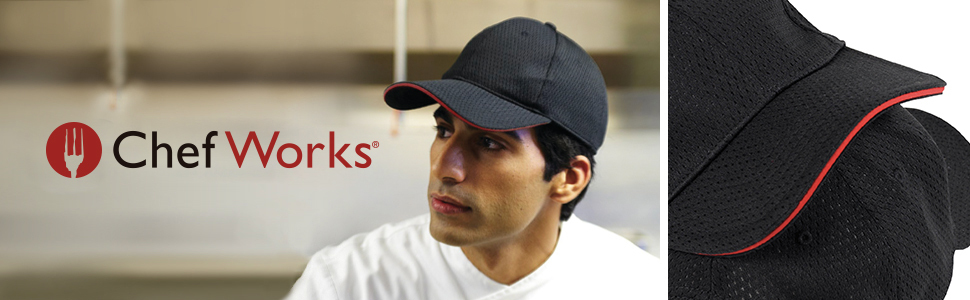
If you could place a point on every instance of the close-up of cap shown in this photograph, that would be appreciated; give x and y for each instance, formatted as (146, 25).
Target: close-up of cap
(794, 173)
(517, 74)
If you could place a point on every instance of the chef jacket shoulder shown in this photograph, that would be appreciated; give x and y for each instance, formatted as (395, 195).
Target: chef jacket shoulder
(389, 262)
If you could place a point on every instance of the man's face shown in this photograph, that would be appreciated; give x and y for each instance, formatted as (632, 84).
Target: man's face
(484, 186)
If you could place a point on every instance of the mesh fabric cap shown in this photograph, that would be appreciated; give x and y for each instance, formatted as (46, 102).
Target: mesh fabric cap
(724, 67)
(879, 226)
(517, 74)
(956, 155)
(759, 180)
(793, 172)
(750, 139)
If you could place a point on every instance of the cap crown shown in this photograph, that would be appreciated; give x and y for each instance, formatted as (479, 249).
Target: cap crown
(534, 66)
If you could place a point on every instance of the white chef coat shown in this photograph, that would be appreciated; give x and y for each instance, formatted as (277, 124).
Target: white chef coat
(402, 261)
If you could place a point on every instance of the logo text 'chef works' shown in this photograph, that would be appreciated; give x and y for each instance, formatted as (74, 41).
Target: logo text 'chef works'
(74, 150)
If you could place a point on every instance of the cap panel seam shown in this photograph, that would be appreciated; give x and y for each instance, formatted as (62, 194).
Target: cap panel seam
(545, 79)
(831, 161)
(716, 151)
(542, 88)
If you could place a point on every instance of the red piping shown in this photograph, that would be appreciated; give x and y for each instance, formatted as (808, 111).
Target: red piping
(818, 180)
(419, 88)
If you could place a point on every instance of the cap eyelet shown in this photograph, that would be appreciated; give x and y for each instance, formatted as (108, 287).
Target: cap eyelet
(899, 174)
(805, 237)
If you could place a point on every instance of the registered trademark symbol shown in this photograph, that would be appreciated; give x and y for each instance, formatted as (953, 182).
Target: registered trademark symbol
(375, 144)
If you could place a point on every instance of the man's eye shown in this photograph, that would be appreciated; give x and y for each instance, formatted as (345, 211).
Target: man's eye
(490, 144)
(443, 132)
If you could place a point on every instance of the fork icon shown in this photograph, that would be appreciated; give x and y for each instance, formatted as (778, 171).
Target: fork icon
(74, 155)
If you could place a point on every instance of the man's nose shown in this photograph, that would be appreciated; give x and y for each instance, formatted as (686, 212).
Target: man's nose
(449, 165)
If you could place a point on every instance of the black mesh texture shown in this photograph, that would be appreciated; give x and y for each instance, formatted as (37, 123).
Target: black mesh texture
(525, 63)
(468, 101)
(877, 228)
(727, 59)
(760, 177)
(956, 154)
(575, 93)
(510, 59)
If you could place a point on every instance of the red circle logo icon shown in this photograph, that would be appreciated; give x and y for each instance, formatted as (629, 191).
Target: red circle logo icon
(74, 150)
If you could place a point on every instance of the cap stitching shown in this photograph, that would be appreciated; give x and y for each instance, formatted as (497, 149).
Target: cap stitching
(722, 144)
(831, 162)
(545, 79)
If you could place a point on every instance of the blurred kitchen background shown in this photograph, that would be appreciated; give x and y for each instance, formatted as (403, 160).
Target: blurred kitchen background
(304, 68)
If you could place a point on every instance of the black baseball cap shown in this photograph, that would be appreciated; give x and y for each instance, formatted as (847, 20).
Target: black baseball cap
(793, 171)
(517, 74)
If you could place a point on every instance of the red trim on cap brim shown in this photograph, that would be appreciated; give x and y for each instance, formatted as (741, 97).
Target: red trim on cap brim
(426, 92)
(825, 170)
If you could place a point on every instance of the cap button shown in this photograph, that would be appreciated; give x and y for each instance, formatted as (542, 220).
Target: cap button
(551, 25)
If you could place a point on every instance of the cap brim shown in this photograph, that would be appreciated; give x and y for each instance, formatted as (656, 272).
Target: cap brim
(470, 103)
(759, 182)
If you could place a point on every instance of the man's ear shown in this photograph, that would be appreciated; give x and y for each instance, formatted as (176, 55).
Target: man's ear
(568, 183)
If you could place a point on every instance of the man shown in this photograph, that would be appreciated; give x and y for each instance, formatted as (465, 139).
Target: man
(522, 112)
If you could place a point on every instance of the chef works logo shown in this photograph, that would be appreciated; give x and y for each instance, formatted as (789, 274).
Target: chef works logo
(74, 150)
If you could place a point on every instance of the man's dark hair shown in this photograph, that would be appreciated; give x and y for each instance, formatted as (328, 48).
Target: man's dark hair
(559, 148)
